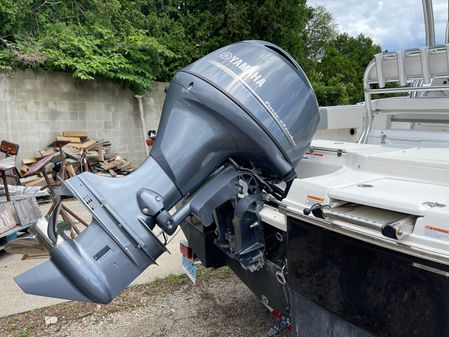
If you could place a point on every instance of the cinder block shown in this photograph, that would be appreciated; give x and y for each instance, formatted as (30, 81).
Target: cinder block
(94, 125)
(10, 105)
(67, 115)
(103, 115)
(27, 94)
(148, 100)
(81, 106)
(129, 107)
(32, 105)
(73, 106)
(13, 136)
(12, 115)
(136, 123)
(94, 107)
(46, 137)
(15, 83)
(9, 93)
(65, 106)
(25, 75)
(59, 82)
(2, 110)
(32, 135)
(112, 125)
(118, 115)
(118, 125)
(47, 115)
(65, 96)
(60, 125)
(84, 115)
(22, 126)
(122, 149)
(86, 95)
(28, 115)
(121, 97)
(124, 127)
(31, 83)
(121, 107)
(104, 134)
(103, 97)
(45, 126)
(77, 125)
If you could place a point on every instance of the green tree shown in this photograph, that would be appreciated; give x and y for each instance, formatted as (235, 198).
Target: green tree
(344, 62)
(335, 61)
(319, 32)
(341, 69)
(135, 42)
(212, 24)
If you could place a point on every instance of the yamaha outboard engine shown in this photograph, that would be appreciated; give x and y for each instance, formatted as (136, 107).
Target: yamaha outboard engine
(247, 106)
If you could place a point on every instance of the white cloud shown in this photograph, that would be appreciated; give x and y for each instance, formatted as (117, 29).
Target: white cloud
(395, 25)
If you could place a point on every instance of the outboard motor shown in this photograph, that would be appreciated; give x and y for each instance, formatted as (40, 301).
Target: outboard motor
(245, 106)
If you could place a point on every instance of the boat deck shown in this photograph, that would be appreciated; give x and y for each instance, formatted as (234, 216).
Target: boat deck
(413, 181)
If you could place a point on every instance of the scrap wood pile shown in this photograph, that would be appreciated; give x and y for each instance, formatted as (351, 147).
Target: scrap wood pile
(80, 154)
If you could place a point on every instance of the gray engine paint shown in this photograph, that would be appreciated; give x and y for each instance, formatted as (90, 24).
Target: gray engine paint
(213, 111)
(276, 105)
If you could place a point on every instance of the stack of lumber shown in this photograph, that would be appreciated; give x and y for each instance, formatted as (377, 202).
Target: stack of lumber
(80, 154)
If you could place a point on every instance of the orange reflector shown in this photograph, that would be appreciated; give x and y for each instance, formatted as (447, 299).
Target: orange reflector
(315, 198)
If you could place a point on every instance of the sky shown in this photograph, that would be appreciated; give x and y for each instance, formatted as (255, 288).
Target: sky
(394, 24)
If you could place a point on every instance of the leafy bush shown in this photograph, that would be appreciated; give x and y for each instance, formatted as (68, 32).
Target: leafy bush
(88, 39)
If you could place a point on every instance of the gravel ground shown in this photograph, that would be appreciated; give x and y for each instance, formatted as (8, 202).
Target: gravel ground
(218, 305)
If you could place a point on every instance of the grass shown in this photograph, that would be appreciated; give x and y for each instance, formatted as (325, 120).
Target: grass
(32, 323)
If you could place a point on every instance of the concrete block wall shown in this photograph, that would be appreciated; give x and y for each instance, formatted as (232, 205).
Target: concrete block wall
(37, 106)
